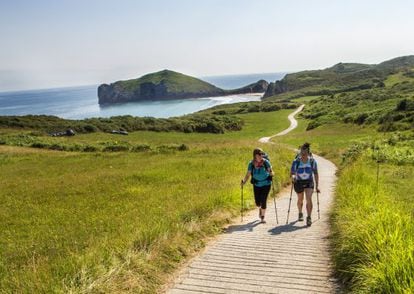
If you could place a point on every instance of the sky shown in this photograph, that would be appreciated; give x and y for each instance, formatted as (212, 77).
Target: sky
(46, 44)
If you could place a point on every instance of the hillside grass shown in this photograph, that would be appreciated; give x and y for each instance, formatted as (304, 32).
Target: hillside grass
(175, 82)
(87, 222)
(373, 228)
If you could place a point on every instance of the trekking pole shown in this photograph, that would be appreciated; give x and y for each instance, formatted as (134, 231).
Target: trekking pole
(274, 200)
(241, 203)
(317, 199)
(290, 201)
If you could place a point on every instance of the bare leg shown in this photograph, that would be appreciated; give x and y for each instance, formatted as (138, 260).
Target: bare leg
(300, 202)
(309, 204)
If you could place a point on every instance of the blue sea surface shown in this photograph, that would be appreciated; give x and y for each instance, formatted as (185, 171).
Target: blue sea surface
(82, 102)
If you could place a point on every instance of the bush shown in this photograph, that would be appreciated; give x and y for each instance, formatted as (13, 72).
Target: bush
(57, 147)
(141, 148)
(115, 148)
(39, 145)
(172, 147)
(90, 148)
(266, 107)
(360, 119)
(312, 125)
(183, 147)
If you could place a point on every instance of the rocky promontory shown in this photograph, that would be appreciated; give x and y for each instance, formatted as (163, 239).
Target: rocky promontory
(167, 85)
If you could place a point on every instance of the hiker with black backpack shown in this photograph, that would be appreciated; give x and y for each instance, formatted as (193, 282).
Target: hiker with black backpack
(304, 172)
(261, 173)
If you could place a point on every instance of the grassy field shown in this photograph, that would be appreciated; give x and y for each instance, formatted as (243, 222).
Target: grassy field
(121, 221)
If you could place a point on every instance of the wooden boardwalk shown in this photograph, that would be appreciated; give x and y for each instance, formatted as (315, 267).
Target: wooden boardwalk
(268, 258)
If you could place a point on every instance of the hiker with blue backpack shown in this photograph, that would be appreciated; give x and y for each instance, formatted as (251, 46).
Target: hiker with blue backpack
(304, 173)
(261, 173)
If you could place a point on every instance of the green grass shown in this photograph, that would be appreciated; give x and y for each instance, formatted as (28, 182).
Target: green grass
(373, 229)
(330, 140)
(174, 81)
(305, 99)
(396, 78)
(122, 221)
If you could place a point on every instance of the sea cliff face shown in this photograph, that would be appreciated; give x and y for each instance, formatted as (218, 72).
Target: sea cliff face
(167, 85)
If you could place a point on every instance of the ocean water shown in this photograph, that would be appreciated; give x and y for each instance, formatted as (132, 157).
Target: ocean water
(82, 102)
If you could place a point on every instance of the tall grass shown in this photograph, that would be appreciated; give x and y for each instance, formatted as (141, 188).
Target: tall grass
(373, 229)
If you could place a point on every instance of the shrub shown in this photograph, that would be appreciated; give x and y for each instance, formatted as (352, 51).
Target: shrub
(57, 147)
(360, 119)
(141, 148)
(183, 147)
(115, 148)
(39, 145)
(90, 148)
(312, 125)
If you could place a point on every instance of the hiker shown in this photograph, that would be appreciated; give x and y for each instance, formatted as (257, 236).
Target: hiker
(261, 172)
(303, 172)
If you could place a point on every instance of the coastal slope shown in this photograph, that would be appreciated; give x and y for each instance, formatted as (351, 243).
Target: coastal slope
(342, 77)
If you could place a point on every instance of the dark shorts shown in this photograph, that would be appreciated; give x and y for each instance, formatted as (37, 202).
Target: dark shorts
(260, 195)
(300, 185)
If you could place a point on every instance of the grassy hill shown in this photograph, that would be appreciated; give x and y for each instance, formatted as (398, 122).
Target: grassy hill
(373, 95)
(167, 84)
(164, 84)
(342, 77)
(173, 81)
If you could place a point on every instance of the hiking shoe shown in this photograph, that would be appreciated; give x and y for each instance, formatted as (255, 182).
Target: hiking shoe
(262, 220)
(308, 221)
(300, 217)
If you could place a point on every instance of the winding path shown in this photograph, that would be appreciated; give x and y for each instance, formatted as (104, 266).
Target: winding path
(293, 125)
(268, 258)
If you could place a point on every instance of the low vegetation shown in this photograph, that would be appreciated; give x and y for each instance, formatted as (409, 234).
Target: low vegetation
(217, 120)
(186, 124)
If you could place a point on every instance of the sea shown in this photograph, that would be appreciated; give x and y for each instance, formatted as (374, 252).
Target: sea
(82, 102)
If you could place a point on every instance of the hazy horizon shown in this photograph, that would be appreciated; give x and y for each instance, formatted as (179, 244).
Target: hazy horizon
(48, 44)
